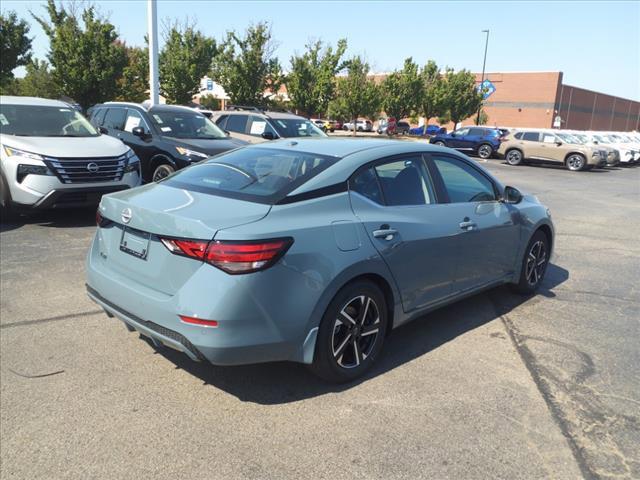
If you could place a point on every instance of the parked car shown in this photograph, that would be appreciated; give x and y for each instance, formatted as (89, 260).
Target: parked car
(626, 142)
(481, 141)
(431, 130)
(166, 138)
(266, 261)
(52, 157)
(392, 127)
(612, 155)
(324, 125)
(627, 153)
(361, 125)
(544, 146)
(256, 126)
(336, 124)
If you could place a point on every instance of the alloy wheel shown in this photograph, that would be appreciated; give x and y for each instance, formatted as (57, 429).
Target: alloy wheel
(440, 144)
(514, 157)
(485, 151)
(355, 331)
(536, 262)
(161, 172)
(575, 162)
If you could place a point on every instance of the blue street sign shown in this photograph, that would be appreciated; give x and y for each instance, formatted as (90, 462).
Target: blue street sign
(209, 84)
(487, 87)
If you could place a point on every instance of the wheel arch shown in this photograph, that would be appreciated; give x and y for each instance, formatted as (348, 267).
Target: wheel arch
(574, 152)
(159, 159)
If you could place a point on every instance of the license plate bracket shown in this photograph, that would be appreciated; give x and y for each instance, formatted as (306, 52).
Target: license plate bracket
(135, 242)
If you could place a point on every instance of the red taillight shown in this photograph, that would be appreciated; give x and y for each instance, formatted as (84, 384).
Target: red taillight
(100, 220)
(198, 321)
(232, 256)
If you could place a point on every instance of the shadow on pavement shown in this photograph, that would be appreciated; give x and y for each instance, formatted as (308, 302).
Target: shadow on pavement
(284, 382)
(68, 218)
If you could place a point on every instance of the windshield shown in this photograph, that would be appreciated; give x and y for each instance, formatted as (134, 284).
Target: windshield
(569, 138)
(44, 121)
(582, 138)
(602, 139)
(262, 175)
(296, 127)
(185, 124)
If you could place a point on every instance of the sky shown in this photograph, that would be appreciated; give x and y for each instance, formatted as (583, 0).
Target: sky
(596, 44)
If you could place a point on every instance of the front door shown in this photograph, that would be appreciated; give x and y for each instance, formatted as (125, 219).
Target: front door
(396, 203)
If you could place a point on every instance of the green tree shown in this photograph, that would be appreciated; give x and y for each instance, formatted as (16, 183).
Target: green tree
(481, 119)
(86, 58)
(401, 91)
(184, 60)
(210, 102)
(461, 97)
(356, 94)
(311, 82)
(432, 98)
(246, 66)
(133, 85)
(38, 81)
(15, 46)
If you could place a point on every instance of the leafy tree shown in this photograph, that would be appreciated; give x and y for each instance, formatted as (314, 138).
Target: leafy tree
(311, 82)
(14, 45)
(38, 81)
(401, 91)
(482, 119)
(246, 66)
(86, 58)
(210, 102)
(133, 85)
(432, 98)
(184, 60)
(461, 96)
(356, 94)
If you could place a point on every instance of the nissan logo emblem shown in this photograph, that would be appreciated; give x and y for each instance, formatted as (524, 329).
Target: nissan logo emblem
(126, 215)
(93, 167)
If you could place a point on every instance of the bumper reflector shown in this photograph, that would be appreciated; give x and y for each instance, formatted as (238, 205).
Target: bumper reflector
(198, 321)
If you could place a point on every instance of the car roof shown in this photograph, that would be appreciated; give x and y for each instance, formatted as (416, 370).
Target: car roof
(41, 102)
(333, 147)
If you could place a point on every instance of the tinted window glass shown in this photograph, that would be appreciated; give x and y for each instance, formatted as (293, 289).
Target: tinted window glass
(263, 175)
(237, 123)
(463, 182)
(404, 182)
(221, 121)
(518, 135)
(97, 118)
(462, 132)
(296, 127)
(548, 137)
(366, 184)
(531, 136)
(476, 131)
(258, 125)
(185, 124)
(134, 119)
(43, 121)
(114, 119)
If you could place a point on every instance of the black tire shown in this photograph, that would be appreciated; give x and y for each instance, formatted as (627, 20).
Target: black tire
(576, 162)
(534, 264)
(162, 171)
(359, 129)
(345, 128)
(7, 211)
(514, 157)
(339, 359)
(485, 151)
(440, 143)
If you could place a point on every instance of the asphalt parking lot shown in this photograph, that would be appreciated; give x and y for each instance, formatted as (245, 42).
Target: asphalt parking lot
(497, 386)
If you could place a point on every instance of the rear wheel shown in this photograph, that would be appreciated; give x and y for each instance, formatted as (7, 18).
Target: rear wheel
(576, 162)
(534, 264)
(162, 171)
(351, 333)
(439, 143)
(485, 151)
(514, 157)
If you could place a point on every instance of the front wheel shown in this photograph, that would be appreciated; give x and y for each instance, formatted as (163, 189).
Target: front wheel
(162, 171)
(351, 333)
(485, 151)
(534, 264)
(576, 162)
(439, 143)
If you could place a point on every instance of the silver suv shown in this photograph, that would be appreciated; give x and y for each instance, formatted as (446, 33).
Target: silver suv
(52, 157)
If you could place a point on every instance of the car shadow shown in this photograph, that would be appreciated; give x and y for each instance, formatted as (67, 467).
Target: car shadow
(67, 218)
(284, 382)
(557, 166)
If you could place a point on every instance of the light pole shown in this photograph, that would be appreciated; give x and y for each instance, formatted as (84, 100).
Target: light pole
(484, 62)
(152, 23)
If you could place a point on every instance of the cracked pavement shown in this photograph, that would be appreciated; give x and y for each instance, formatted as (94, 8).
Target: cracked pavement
(496, 386)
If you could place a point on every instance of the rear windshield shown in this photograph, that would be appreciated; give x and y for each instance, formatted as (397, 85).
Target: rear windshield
(44, 121)
(262, 175)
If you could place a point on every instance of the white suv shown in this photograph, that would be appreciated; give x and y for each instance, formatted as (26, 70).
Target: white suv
(52, 157)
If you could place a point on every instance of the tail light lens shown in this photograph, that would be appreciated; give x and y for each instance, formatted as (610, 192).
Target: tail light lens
(100, 220)
(233, 257)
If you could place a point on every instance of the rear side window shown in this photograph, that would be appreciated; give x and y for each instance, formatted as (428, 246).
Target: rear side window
(114, 119)
(518, 135)
(531, 136)
(237, 123)
(262, 175)
(463, 182)
(221, 121)
(97, 118)
(404, 182)
(366, 184)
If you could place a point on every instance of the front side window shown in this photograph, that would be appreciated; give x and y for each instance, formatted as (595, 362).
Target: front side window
(549, 138)
(185, 124)
(263, 175)
(405, 182)
(258, 125)
(134, 119)
(531, 136)
(463, 132)
(462, 182)
(44, 121)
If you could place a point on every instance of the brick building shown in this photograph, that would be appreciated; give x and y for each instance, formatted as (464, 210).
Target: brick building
(535, 99)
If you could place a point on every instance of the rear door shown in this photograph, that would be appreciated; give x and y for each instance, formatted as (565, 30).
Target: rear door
(395, 200)
(487, 235)
(532, 147)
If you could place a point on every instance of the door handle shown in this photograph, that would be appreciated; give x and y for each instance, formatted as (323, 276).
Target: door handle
(468, 225)
(386, 233)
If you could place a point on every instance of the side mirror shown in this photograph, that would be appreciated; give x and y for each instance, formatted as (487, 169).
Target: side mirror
(227, 133)
(103, 130)
(139, 132)
(268, 135)
(558, 142)
(512, 195)
(453, 134)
